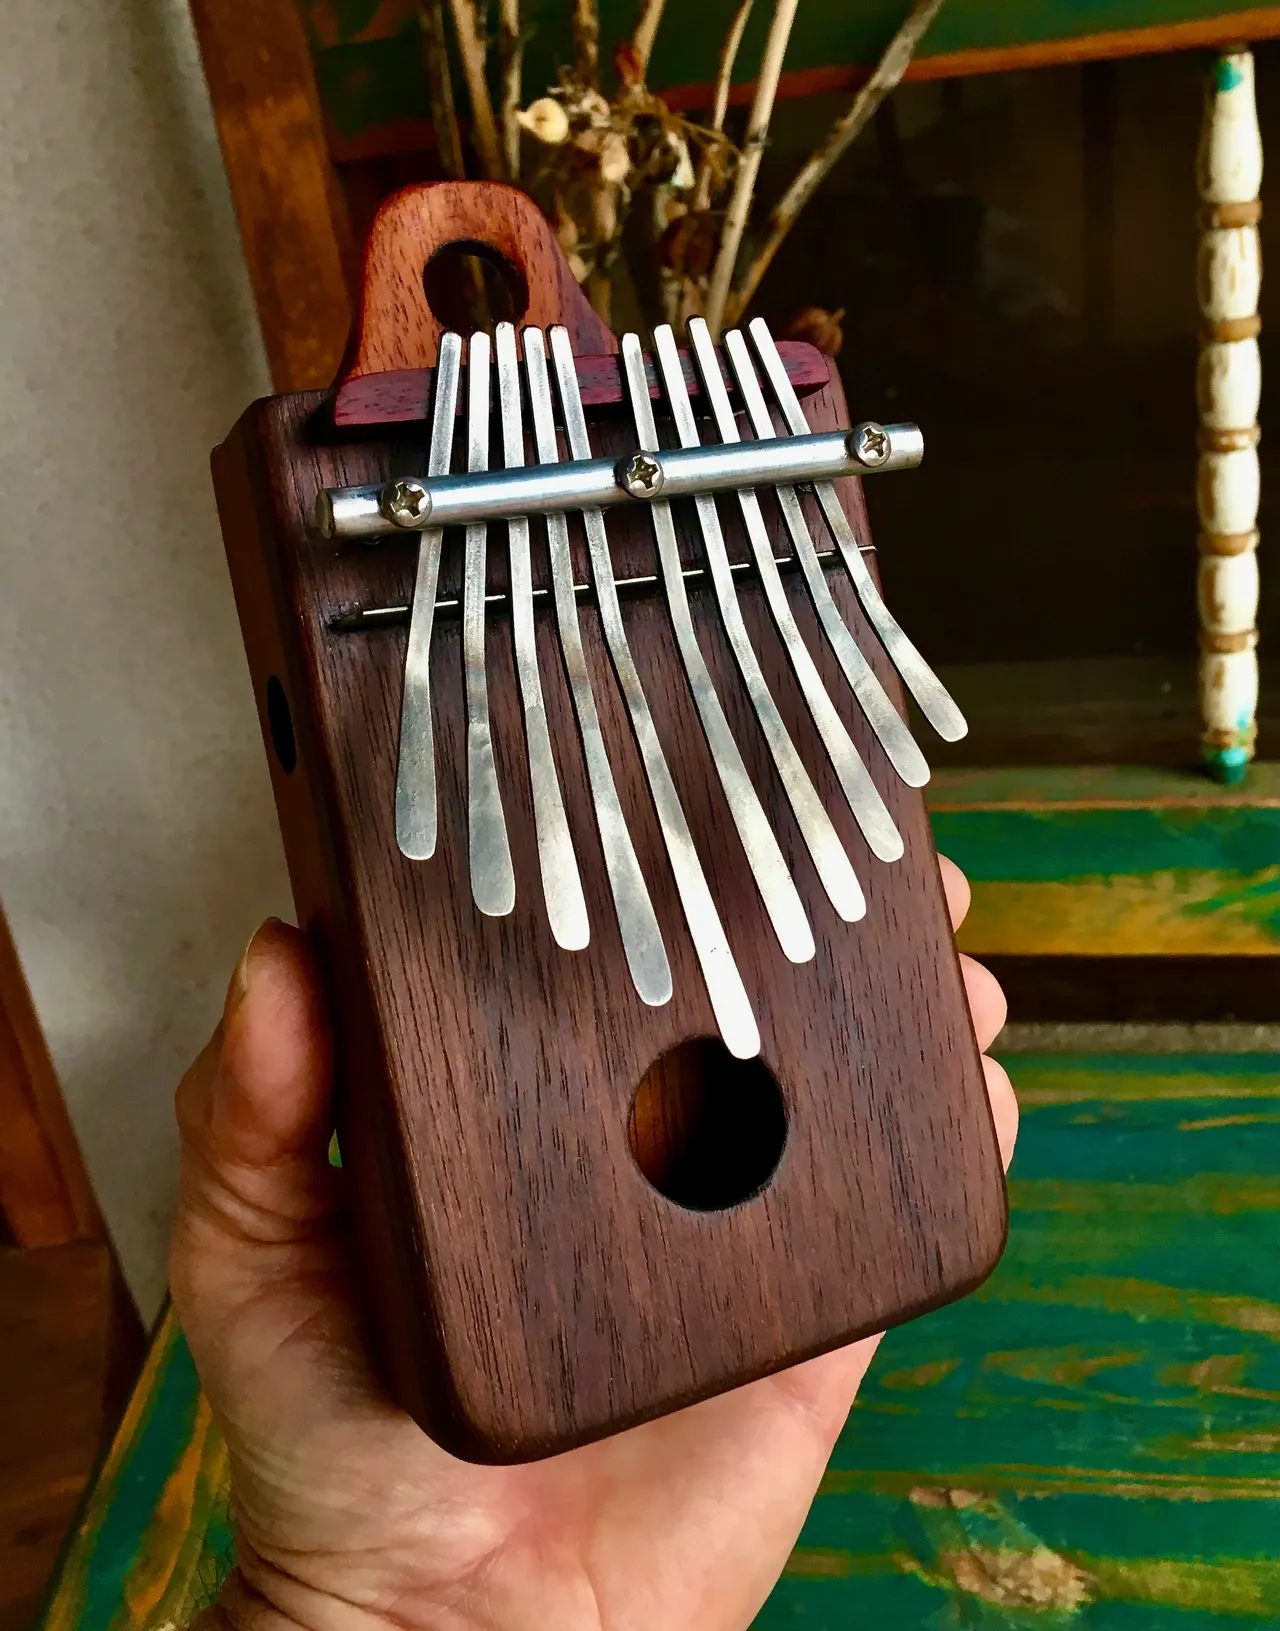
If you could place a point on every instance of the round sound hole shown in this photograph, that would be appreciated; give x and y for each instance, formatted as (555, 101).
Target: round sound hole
(706, 1129)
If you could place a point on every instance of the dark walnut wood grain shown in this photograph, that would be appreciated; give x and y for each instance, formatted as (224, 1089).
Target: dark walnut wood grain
(528, 1288)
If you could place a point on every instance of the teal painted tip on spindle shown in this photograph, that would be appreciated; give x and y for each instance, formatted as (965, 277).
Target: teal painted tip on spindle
(1227, 75)
(1227, 765)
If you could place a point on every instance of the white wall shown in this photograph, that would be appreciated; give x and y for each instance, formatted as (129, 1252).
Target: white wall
(138, 846)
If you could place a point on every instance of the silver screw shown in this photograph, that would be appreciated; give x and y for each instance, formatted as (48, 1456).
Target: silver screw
(407, 503)
(641, 476)
(869, 443)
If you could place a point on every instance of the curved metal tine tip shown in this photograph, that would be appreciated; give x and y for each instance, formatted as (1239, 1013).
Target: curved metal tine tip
(493, 879)
(935, 701)
(768, 865)
(416, 817)
(901, 748)
(642, 942)
(863, 797)
(561, 882)
(729, 1000)
(823, 842)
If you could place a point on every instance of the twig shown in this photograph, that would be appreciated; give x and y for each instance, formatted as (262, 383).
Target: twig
(728, 56)
(471, 48)
(889, 70)
(444, 117)
(735, 220)
(586, 39)
(646, 30)
(510, 54)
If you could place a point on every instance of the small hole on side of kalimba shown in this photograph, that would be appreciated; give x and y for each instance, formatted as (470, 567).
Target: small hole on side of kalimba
(280, 724)
(471, 285)
(707, 1130)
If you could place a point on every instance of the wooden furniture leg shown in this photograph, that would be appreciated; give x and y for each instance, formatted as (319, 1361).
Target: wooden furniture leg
(293, 218)
(1228, 383)
(71, 1341)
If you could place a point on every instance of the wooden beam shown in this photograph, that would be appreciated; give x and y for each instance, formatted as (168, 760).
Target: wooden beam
(293, 219)
(1258, 23)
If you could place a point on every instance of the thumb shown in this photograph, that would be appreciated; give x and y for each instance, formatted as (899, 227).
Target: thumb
(254, 1116)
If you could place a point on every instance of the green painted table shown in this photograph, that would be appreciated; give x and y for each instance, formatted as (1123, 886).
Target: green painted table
(1091, 1440)
(1114, 860)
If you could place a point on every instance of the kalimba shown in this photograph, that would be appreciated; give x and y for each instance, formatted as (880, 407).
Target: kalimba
(587, 737)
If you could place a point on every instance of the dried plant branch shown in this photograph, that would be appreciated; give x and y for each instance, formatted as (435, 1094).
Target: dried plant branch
(720, 106)
(586, 39)
(735, 220)
(888, 71)
(510, 55)
(444, 116)
(646, 31)
(471, 49)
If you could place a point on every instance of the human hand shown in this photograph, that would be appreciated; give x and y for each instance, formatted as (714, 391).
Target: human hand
(348, 1518)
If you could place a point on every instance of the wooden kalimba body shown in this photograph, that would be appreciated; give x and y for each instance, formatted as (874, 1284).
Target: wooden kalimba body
(581, 1198)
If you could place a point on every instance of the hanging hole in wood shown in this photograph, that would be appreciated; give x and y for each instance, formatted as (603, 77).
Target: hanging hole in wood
(280, 724)
(470, 285)
(707, 1130)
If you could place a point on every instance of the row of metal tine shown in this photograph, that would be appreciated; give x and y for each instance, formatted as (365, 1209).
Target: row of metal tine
(491, 871)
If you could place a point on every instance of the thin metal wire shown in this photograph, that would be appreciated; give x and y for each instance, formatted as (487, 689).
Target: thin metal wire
(897, 741)
(820, 836)
(935, 701)
(777, 888)
(493, 878)
(637, 922)
(416, 818)
(861, 793)
(729, 1000)
(561, 882)
(365, 619)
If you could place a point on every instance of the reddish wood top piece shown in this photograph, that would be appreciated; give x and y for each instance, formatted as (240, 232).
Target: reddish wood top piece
(403, 395)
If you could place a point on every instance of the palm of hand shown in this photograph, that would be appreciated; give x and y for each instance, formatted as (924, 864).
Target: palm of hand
(346, 1514)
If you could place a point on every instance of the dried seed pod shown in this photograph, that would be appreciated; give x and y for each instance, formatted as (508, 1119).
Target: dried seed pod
(818, 326)
(682, 177)
(546, 121)
(615, 160)
(689, 244)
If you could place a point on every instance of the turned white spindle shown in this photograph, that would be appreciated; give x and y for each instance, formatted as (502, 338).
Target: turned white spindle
(1228, 385)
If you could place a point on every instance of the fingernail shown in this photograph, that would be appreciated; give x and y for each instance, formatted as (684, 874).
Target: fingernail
(240, 980)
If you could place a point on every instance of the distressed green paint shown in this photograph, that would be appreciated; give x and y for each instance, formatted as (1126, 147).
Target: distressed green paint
(1113, 1082)
(1091, 1441)
(154, 1538)
(1123, 863)
(1102, 1419)
(368, 54)
(1080, 786)
(1241, 845)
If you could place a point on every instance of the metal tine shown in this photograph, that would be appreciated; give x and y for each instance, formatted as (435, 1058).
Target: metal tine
(729, 1000)
(637, 922)
(493, 879)
(823, 842)
(774, 880)
(899, 745)
(936, 703)
(561, 882)
(869, 809)
(416, 821)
